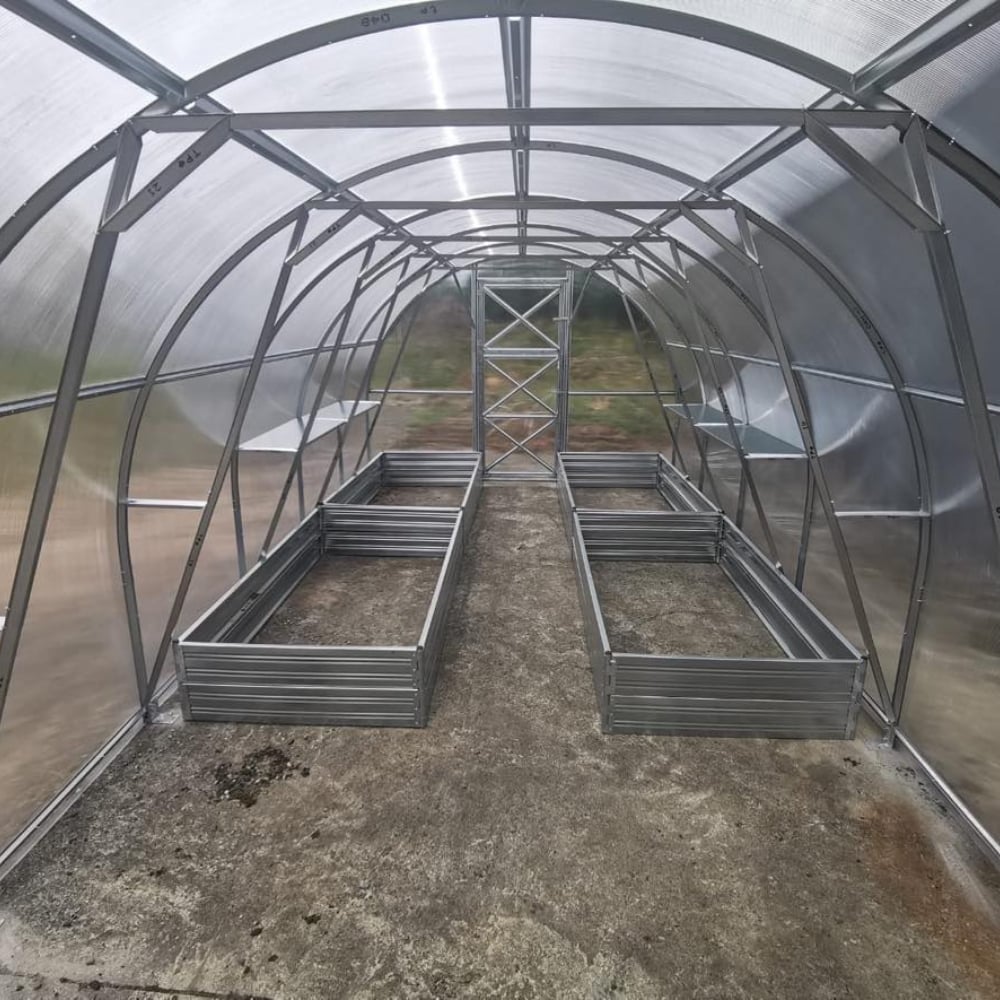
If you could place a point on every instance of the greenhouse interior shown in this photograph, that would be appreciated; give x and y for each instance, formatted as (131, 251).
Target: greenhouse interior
(500, 498)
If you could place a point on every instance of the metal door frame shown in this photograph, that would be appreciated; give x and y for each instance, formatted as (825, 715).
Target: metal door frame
(486, 352)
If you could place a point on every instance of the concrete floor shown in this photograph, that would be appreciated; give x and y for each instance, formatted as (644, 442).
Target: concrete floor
(508, 851)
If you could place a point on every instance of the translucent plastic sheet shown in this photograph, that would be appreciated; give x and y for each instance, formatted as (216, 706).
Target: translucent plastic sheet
(950, 707)
(74, 684)
(872, 250)
(846, 35)
(54, 103)
(40, 284)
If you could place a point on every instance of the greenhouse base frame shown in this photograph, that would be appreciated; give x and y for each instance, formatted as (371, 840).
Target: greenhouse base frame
(225, 677)
(813, 693)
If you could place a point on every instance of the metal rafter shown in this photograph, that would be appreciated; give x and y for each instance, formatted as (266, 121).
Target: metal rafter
(630, 116)
(515, 43)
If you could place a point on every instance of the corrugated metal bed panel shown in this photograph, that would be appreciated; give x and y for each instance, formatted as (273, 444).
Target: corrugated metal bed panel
(225, 678)
(814, 693)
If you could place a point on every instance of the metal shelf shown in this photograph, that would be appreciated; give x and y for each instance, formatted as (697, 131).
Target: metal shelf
(752, 441)
(288, 436)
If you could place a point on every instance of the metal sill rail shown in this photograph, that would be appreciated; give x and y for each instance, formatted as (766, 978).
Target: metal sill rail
(225, 677)
(751, 440)
(813, 693)
(287, 437)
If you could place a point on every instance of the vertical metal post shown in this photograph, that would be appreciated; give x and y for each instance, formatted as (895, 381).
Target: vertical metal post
(807, 515)
(563, 323)
(230, 446)
(478, 344)
(61, 420)
(366, 447)
(234, 489)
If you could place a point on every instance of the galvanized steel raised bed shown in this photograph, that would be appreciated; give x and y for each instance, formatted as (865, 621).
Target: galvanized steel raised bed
(813, 693)
(225, 677)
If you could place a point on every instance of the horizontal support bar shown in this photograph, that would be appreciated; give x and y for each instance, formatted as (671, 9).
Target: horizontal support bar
(506, 117)
(112, 386)
(874, 383)
(167, 504)
(514, 204)
(556, 237)
(882, 513)
(420, 392)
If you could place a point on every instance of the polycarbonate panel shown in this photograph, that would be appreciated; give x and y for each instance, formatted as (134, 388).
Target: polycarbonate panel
(351, 156)
(73, 684)
(781, 487)
(723, 485)
(229, 322)
(864, 445)
(453, 178)
(425, 421)
(959, 92)
(818, 328)
(884, 553)
(685, 456)
(586, 63)
(217, 566)
(316, 463)
(727, 306)
(824, 583)
(973, 223)
(181, 436)
(160, 542)
(447, 64)
(695, 150)
(369, 313)
(950, 707)
(276, 399)
(276, 396)
(438, 341)
(223, 29)
(588, 220)
(54, 104)
(162, 260)
(568, 175)
(311, 309)
(688, 377)
(459, 221)
(21, 438)
(40, 286)
(878, 256)
(767, 405)
(844, 34)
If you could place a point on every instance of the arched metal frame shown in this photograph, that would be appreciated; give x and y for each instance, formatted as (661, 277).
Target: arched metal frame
(862, 87)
